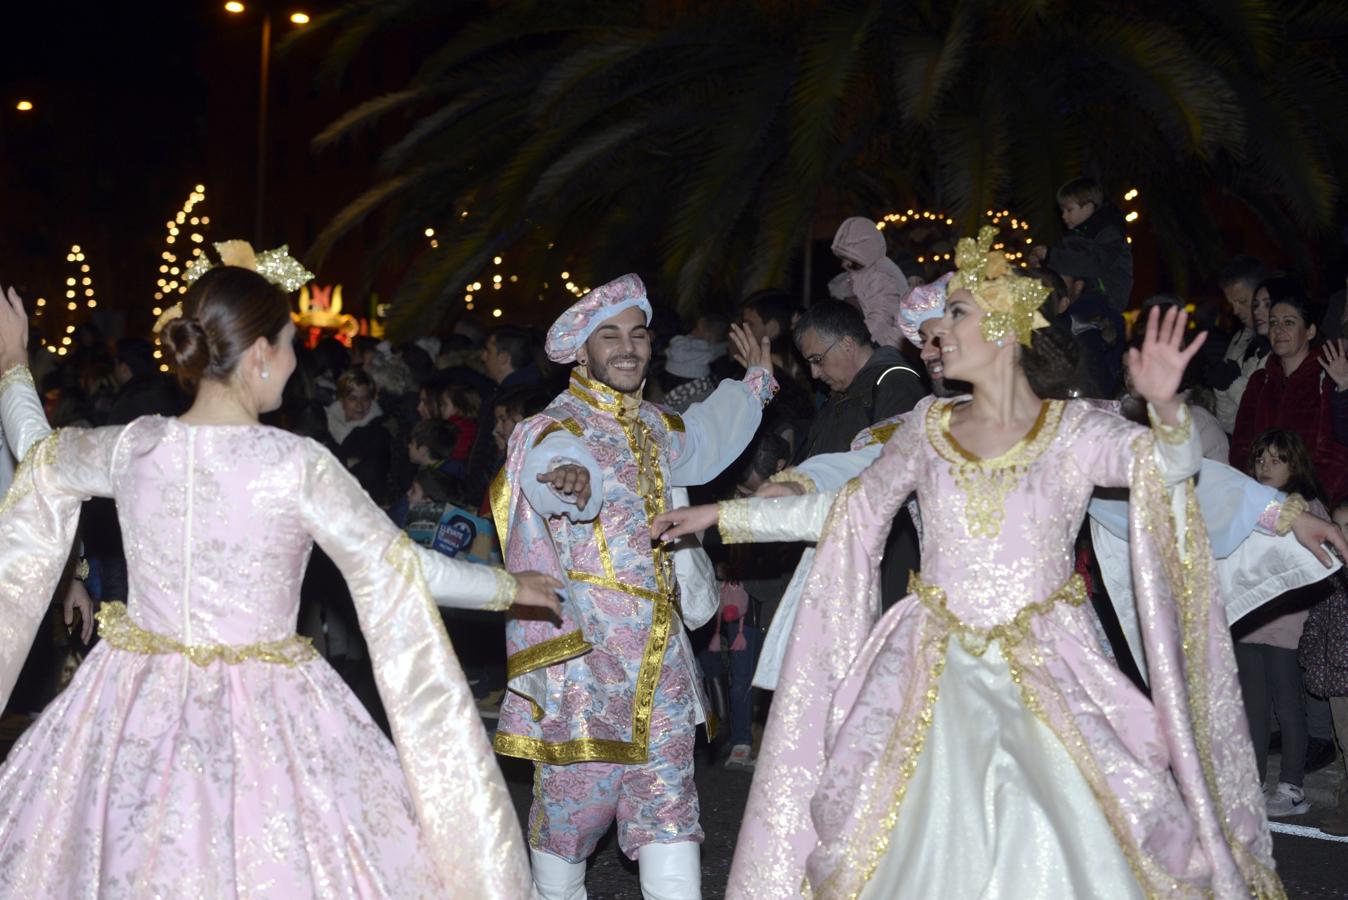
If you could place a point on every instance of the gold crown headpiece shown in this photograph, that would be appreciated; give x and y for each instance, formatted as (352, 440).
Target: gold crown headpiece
(1010, 301)
(277, 266)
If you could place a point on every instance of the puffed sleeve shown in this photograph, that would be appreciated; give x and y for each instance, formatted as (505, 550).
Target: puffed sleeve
(358, 536)
(557, 449)
(716, 430)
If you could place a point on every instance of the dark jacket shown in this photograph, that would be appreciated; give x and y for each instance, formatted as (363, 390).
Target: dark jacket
(886, 386)
(1108, 233)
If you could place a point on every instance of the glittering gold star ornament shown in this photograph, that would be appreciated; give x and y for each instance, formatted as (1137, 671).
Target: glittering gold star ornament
(277, 266)
(1010, 301)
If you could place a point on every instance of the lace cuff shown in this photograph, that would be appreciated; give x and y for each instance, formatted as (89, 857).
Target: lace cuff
(795, 476)
(733, 521)
(761, 384)
(1292, 507)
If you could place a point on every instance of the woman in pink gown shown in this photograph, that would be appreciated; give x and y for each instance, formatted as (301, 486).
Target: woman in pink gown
(203, 749)
(974, 741)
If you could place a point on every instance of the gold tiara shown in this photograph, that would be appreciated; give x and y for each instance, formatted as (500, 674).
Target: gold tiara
(1010, 301)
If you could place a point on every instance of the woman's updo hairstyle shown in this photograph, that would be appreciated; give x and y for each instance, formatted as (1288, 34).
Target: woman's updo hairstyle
(224, 312)
(1054, 367)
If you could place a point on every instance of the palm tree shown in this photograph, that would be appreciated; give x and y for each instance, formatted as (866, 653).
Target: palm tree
(699, 139)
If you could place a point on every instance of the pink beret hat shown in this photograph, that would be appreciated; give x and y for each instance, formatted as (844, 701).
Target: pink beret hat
(567, 335)
(924, 302)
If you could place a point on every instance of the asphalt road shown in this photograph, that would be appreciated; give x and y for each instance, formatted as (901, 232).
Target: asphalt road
(1311, 868)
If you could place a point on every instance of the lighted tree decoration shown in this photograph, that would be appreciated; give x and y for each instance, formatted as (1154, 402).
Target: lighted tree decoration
(175, 259)
(930, 237)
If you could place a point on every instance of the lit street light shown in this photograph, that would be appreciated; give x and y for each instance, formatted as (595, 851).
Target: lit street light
(24, 105)
(298, 18)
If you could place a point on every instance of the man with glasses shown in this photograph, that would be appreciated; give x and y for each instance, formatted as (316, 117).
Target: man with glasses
(866, 384)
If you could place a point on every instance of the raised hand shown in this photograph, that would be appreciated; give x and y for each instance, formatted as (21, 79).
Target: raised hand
(571, 482)
(1158, 367)
(745, 352)
(1334, 361)
(672, 525)
(13, 330)
(538, 590)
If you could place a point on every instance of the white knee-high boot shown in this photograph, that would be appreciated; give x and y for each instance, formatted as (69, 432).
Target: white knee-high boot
(557, 879)
(671, 871)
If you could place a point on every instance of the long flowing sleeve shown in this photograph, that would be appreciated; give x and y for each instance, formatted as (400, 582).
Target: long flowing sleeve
(560, 448)
(716, 430)
(839, 607)
(38, 520)
(459, 794)
(347, 524)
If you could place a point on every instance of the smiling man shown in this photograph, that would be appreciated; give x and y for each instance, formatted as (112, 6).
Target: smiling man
(604, 702)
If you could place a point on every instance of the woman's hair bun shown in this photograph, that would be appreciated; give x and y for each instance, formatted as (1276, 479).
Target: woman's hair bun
(187, 349)
(224, 313)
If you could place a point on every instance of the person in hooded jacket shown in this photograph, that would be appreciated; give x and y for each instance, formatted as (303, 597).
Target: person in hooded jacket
(869, 277)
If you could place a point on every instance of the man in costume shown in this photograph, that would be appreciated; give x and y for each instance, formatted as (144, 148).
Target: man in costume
(605, 703)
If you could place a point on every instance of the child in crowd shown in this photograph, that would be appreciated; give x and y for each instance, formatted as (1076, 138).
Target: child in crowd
(432, 444)
(1087, 214)
(458, 407)
(1267, 639)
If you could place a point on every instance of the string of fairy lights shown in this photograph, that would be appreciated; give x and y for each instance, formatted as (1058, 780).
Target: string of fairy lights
(1016, 239)
(172, 266)
(473, 289)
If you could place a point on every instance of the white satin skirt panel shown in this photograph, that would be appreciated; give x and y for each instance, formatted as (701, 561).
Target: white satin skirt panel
(997, 809)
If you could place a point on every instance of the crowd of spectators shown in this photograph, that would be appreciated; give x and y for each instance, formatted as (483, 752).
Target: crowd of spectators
(424, 427)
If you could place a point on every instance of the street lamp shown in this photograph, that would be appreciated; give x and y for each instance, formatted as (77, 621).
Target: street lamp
(24, 105)
(298, 18)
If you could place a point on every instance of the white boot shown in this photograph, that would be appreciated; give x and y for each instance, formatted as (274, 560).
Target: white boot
(671, 871)
(557, 879)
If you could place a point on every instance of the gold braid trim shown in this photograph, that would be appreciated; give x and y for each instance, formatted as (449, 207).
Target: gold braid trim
(547, 653)
(732, 517)
(1174, 435)
(507, 589)
(117, 628)
(41, 454)
(1292, 507)
(795, 476)
(17, 374)
(976, 640)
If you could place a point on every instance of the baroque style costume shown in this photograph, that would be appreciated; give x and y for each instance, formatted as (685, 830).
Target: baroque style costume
(978, 720)
(606, 703)
(203, 748)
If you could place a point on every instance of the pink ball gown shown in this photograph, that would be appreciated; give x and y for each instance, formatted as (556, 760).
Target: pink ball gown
(205, 750)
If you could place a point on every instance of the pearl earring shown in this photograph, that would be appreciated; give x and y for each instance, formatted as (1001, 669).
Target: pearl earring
(265, 375)
(1000, 343)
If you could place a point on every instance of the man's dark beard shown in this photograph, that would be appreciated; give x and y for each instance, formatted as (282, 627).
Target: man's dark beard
(600, 373)
(944, 387)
